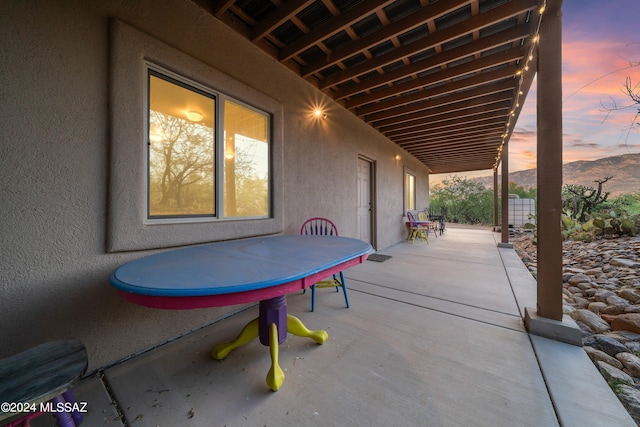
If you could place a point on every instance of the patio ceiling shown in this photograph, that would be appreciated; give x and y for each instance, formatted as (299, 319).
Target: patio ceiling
(444, 80)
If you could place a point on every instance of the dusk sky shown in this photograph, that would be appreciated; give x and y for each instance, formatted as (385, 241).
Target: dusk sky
(601, 48)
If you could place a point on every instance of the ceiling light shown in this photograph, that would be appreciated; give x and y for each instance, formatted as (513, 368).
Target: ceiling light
(194, 116)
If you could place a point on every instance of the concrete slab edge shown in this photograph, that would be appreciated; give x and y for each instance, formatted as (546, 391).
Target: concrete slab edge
(566, 370)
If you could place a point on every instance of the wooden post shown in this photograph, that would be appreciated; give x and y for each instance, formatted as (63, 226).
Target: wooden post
(549, 162)
(495, 199)
(505, 195)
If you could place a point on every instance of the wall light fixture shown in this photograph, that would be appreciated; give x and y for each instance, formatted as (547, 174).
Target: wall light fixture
(319, 113)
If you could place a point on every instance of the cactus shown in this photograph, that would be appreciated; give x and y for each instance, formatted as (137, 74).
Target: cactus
(583, 236)
(615, 224)
(580, 201)
(610, 223)
(599, 223)
(628, 227)
(588, 226)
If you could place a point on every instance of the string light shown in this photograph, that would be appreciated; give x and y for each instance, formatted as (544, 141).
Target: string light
(534, 41)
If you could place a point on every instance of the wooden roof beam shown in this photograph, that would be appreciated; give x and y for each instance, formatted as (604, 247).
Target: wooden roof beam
(464, 99)
(452, 139)
(452, 123)
(490, 144)
(401, 26)
(449, 131)
(480, 85)
(448, 74)
(277, 18)
(332, 27)
(479, 46)
(486, 19)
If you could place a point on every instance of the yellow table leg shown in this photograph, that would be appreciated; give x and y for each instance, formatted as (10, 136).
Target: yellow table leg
(296, 327)
(248, 333)
(275, 376)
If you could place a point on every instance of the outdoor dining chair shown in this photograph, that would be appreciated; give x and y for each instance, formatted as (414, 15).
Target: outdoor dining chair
(437, 220)
(424, 220)
(318, 226)
(416, 230)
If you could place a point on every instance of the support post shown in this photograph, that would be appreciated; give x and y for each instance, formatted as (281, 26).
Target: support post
(495, 200)
(548, 320)
(549, 163)
(504, 242)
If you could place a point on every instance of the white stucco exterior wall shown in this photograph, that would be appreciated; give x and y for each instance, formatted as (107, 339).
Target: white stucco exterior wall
(55, 154)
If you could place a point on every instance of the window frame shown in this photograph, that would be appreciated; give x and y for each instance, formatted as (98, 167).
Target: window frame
(409, 173)
(221, 100)
(168, 76)
(127, 228)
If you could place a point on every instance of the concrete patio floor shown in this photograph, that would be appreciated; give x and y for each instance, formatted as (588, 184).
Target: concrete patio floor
(434, 337)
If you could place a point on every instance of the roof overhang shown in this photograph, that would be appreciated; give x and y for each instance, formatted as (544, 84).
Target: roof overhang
(444, 80)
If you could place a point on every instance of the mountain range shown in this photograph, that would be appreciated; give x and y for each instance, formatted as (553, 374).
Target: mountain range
(624, 170)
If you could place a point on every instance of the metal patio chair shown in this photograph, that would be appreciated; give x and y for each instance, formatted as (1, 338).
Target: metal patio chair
(416, 230)
(424, 220)
(318, 226)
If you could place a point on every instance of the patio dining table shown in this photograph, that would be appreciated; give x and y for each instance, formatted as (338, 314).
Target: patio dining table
(241, 271)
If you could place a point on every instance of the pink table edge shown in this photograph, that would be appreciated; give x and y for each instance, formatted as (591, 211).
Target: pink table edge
(205, 301)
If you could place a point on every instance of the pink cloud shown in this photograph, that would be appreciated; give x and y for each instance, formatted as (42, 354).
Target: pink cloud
(594, 74)
(601, 48)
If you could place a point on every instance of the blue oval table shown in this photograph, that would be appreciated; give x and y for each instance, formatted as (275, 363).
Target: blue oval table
(237, 272)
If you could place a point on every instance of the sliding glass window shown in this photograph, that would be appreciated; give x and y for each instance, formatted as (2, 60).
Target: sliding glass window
(189, 175)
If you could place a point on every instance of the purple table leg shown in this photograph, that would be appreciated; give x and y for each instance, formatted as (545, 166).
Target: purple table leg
(75, 414)
(273, 310)
(63, 419)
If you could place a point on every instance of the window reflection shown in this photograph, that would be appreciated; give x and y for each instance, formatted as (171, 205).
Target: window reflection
(181, 150)
(183, 165)
(246, 161)
(409, 191)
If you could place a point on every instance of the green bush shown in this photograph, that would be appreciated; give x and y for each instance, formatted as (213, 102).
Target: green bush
(463, 201)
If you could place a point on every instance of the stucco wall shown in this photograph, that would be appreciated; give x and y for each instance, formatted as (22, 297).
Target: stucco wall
(55, 167)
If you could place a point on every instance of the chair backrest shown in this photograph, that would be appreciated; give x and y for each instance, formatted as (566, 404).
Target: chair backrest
(319, 227)
(412, 219)
(422, 216)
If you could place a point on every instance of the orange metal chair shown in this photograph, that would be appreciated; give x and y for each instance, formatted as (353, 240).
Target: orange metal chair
(318, 226)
